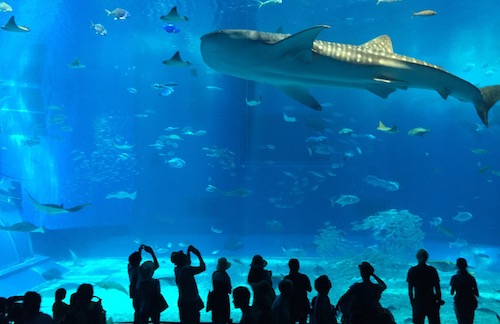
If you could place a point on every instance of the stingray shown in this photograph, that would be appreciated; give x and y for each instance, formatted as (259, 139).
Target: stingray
(25, 227)
(55, 209)
(176, 60)
(76, 65)
(173, 16)
(110, 284)
(13, 27)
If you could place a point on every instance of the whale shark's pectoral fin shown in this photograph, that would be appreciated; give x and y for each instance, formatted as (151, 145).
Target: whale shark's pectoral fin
(382, 92)
(302, 95)
(13, 27)
(299, 43)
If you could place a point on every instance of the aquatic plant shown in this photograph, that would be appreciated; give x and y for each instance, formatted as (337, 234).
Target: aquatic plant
(330, 241)
(397, 231)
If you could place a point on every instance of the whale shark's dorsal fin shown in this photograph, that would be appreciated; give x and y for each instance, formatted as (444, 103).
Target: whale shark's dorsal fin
(300, 43)
(13, 27)
(382, 44)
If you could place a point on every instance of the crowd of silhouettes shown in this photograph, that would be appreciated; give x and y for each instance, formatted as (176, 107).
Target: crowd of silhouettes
(359, 305)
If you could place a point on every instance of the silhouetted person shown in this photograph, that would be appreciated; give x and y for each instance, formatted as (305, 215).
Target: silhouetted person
(301, 286)
(424, 290)
(361, 303)
(281, 308)
(241, 300)
(464, 287)
(134, 262)
(59, 308)
(189, 301)
(31, 310)
(83, 310)
(220, 294)
(152, 302)
(322, 311)
(263, 293)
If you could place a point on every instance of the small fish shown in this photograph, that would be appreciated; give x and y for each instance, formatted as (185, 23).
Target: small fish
(418, 131)
(390, 130)
(463, 217)
(388, 1)
(122, 195)
(13, 27)
(216, 230)
(99, 29)
(173, 16)
(132, 90)
(346, 131)
(170, 28)
(424, 13)
(76, 65)
(118, 13)
(4, 7)
(176, 163)
(214, 252)
(214, 88)
(176, 60)
(345, 200)
(167, 91)
(459, 243)
(289, 119)
(436, 221)
(263, 3)
(253, 103)
(479, 151)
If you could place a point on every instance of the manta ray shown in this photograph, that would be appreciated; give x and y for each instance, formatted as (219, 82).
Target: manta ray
(176, 60)
(173, 16)
(13, 27)
(295, 62)
(55, 209)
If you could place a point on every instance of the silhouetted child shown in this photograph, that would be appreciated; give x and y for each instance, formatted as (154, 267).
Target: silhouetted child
(301, 286)
(361, 303)
(83, 310)
(241, 300)
(465, 287)
(152, 302)
(424, 290)
(219, 297)
(281, 308)
(323, 312)
(31, 310)
(59, 308)
(189, 302)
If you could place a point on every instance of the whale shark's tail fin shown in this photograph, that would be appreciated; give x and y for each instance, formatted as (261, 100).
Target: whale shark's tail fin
(491, 95)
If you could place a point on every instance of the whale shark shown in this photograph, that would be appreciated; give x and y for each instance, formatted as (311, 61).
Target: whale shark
(295, 62)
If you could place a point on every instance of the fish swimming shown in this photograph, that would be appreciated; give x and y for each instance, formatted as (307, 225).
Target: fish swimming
(173, 16)
(25, 227)
(424, 13)
(296, 62)
(118, 13)
(176, 60)
(13, 27)
(5, 7)
(76, 64)
(55, 209)
(418, 131)
(391, 130)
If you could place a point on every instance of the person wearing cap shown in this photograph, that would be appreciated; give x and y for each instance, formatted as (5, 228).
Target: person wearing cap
(260, 280)
(361, 303)
(219, 297)
(189, 301)
(464, 287)
(424, 290)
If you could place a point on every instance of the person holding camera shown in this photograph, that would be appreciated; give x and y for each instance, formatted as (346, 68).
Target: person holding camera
(189, 302)
(134, 263)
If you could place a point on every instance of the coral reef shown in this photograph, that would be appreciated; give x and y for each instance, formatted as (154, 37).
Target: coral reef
(329, 241)
(396, 231)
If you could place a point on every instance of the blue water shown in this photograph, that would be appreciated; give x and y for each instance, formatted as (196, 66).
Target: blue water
(64, 132)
